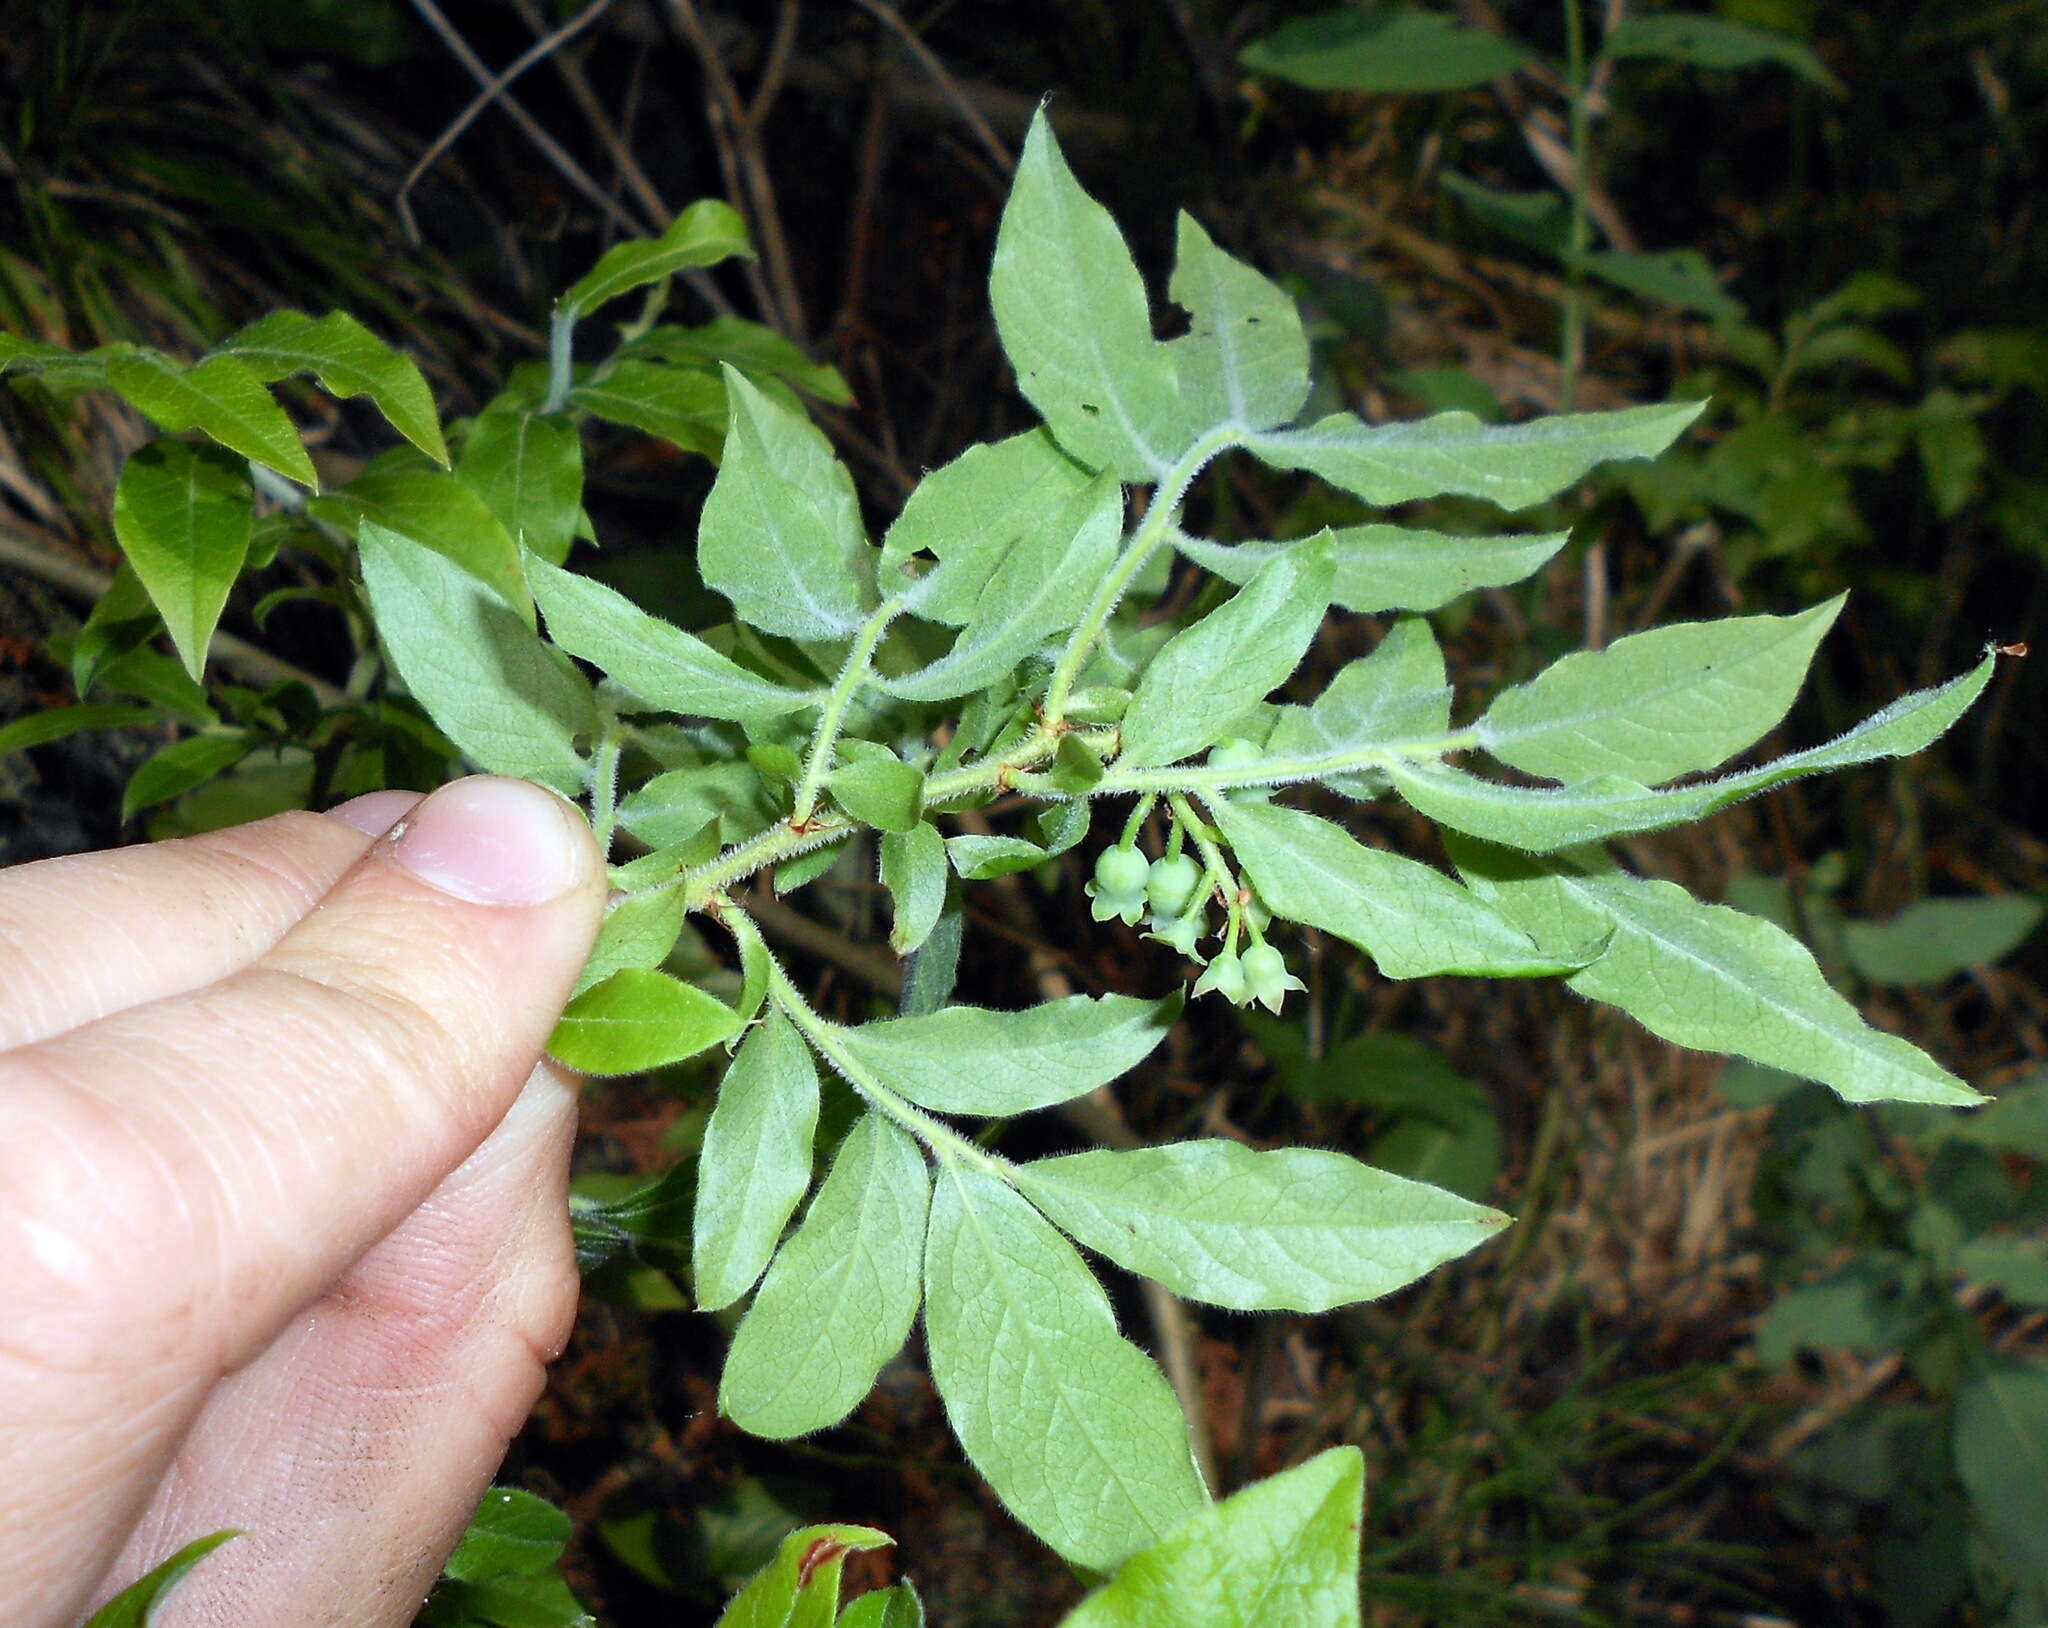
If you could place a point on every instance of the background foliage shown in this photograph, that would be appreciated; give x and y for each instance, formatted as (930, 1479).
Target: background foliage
(1747, 1350)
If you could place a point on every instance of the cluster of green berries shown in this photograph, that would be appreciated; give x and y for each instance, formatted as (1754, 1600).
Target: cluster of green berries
(1172, 894)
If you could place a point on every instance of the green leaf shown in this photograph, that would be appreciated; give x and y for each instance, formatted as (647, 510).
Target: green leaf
(540, 1600)
(1540, 220)
(1397, 693)
(161, 680)
(122, 620)
(1075, 770)
(437, 510)
(968, 1060)
(653, 1220)
(894, 1607)
(884, 792)
(348, 360)
(2018, 1270)
(528, 467)
(841, 1295)
(1244, 359)
(799, 1588)
(639, 930)
(1283, 1553)
(756, 1161)
(933, 968)
(1040, 586)
(1383, 568)
(1076, 325)
(510, 704)
(638, 1019)
(136, 1605)
(1660, 704)
(1073, 1426)
(1296, 1229)
(676, 806)
(1714, 42)
(1705, 976)
(792, 874)
(222, 397)
(1432, 1124)
(177, 768)
(182, 515)
(682, 405)
(1454, 454)
(781, 534)
(1952, 450)
(1384, 49)
(1545, 818)
(62, 370)
(914, 872)
(1209, 675)
(702, 235)
(979, 858)
(665, 667)
(2001, 1457)
(759, 352)
(1413, 921)
(40, 728)
(1680, 277)
(1856, 1309)
(1932, 940)
(511, 1531)
(968, 514)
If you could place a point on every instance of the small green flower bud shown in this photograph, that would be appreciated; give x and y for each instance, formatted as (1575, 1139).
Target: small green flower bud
(1225, 975)
(1267, 977)
(1181, 933)
(1119, 886)
(1235, 753)
(1170, 887)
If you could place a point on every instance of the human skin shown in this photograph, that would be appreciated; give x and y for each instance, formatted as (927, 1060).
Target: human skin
(283, 1232)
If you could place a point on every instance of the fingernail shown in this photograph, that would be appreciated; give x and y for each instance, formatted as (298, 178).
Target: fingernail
(375, 812)
(492, 841)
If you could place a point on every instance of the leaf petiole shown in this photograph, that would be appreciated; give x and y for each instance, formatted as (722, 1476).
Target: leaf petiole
(859, 659)
(947, 1145)
(1156, 528)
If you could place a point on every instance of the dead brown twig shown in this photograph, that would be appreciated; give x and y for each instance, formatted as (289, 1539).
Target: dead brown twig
(553, 151)
(736, 130)
(492, 90)
(948, 86)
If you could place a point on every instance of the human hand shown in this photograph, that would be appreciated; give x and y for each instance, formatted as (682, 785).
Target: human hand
(283, 1231)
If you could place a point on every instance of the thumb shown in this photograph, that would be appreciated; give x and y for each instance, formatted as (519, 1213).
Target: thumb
(179, 1179)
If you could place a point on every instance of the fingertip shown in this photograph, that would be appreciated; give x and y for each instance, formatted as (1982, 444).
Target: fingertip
(495, 841)
(376, 812)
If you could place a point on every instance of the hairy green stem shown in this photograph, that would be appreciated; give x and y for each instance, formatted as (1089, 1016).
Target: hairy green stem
(1139, 812)
(783, 841)
(1214, 865)
(1153, 530)
(1279, 771)
(561, 360)
(858, 659)
(948, 1146)
(604, 791)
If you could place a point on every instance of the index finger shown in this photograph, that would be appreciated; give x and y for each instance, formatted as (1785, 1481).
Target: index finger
(178, 1180)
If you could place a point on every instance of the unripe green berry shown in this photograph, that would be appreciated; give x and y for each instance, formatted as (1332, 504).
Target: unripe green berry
(1225, 975)
(1181, 934)
(1266, 976)
(1235, 753)
(1170, 887)
(1119, 885)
